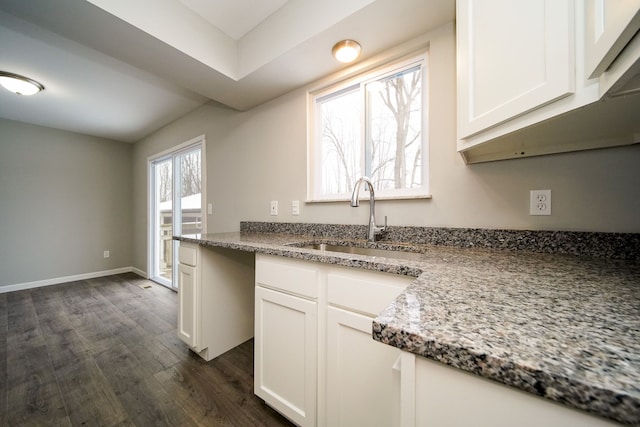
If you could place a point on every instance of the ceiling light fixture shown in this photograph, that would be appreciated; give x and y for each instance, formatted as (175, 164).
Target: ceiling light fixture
(346, 50)
(19, 84)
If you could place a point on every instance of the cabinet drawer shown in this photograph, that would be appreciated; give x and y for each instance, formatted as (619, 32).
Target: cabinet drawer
(295, 277)
(188, 255)
(363, 291)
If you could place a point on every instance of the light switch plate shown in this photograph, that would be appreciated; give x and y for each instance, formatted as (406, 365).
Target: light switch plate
(274, 207)
(295, 207)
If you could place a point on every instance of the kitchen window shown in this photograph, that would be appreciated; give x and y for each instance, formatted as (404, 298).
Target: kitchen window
(373, 125)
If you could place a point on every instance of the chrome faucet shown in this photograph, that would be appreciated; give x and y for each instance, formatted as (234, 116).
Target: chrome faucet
(373, 230)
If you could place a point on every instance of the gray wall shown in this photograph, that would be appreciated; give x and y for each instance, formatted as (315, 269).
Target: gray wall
(260, 155)
(64, 199)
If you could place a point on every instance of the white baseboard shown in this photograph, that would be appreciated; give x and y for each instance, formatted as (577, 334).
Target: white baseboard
(58, 280)
(139, 272)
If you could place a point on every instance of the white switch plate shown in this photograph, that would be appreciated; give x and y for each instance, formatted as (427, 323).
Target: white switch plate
(106, 254)
(209, 208)
(274, 207)
(540, 202)
(295, 207)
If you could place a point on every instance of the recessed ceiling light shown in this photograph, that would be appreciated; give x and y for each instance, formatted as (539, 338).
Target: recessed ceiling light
(19, 84)
(346, 50)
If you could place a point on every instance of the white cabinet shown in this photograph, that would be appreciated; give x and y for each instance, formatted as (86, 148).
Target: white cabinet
(187, 321)
(433, 394)
(359, 377)
(188, 293)
(523, 76)
(512, 59)
(613, 46)
(611, 24)
(315, 359)
(215, 287)
(286, 343)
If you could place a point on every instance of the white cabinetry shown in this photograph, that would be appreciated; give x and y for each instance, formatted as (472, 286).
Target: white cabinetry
(611, 24)
(188, 293)
(523, 76)
(286, 343)
(359, 388)
(315, 359)
(612, 46)
(512, 58)
(215, 288)
(433, 394)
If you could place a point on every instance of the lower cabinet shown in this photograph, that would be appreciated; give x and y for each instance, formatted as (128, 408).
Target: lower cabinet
(315, 359)
(286, 337)
(359, 375)
(433, 394)
(285, 354)
(215, 290)
(187, 322)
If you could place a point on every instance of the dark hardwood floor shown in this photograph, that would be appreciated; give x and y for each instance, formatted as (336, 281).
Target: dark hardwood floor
(104, 352)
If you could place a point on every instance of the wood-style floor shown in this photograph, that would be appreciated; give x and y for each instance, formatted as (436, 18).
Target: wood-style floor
(104, 352)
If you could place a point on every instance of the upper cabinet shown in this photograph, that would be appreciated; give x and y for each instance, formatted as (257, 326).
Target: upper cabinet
(526, 82)
(514, 57)
(611, 24)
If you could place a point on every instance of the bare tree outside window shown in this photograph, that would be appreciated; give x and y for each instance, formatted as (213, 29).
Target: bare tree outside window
(341, 138)
(165, 179)
(388, 147)
(191, 181)
(191, 174)
(395, 106)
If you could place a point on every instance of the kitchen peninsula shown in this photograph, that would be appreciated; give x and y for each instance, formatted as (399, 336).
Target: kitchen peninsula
(528, 313)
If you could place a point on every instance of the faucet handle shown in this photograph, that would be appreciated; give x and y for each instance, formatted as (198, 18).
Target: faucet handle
(380, 230)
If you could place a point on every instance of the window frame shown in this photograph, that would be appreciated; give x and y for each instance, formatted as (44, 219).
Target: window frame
(314, 133)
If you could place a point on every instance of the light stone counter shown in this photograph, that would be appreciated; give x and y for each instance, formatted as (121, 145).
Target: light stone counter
(557, 325)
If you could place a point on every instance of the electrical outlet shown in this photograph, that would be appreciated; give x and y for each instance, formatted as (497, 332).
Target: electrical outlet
(540, 202)
(106, 254)
(209, 208)
(274, 207)
(295, 207)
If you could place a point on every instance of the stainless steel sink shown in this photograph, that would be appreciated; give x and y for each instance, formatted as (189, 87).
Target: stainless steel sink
(387, 253)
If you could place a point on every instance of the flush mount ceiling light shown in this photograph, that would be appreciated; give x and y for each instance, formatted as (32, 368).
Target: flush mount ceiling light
(346, 50)
(19, 84)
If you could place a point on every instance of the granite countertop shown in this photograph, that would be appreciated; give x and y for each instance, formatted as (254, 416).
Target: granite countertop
(560, 326)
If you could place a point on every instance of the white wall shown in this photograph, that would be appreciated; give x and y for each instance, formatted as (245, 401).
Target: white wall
(260, 155)
(64, 199)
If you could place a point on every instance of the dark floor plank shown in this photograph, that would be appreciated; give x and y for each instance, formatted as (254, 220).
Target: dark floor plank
(141, 395)
(171, 341)
(204, 403)
(104, 351)
(165, 411)
(88, 396)
(33, 393)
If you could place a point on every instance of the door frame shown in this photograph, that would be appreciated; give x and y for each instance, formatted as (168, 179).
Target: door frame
(151, 220)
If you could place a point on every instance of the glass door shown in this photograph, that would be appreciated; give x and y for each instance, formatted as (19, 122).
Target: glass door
(175, 208)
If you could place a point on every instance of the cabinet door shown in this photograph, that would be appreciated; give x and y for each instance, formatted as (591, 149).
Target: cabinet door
(445, 396)
(610, 26)
(188, 309)
(286, 354)
(360, 389)
(512, 57)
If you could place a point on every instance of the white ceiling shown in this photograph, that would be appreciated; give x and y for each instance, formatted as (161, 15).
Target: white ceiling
(235, 18)
(121, 69)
